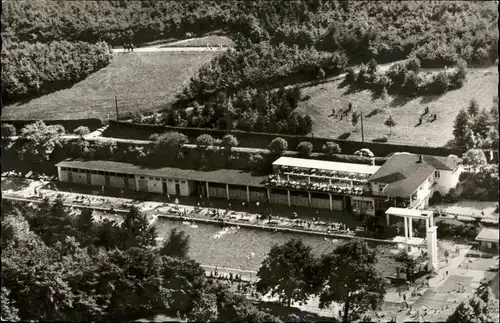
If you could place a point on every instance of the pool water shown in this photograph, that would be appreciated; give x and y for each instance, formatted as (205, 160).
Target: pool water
(245, 248)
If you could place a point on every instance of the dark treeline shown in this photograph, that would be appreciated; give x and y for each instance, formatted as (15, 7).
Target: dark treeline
(59, 265)
(31, 69)
(438, 32)
(261, 65)
(249, 110)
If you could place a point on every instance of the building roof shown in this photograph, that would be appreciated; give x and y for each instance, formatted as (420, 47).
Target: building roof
(488, 234)
(326, 165)
(404, 172)
(412, 213)
(222, 176)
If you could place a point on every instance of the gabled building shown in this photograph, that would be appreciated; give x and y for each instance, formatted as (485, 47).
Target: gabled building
(410, 180)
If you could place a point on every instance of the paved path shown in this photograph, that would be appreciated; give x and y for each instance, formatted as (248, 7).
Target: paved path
(154, 49)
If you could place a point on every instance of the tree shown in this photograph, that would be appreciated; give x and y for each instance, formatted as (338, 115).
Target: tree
(409, 262)
(39, 141)
(177, 244)
(372, 67)
(305, 149)
(170, 143)
(321, 74)
(470, 140)
(205, 140)
(289, 271)
(351, 278)
(278, 146)
(355, 118)
(384, 96)
(8, 130)
(256, 162)
(473, 108)
(462, 124)
(482, 122)
(390, 122)
(229, 141)
(331, 148)
(471, 310)
(136, 231)
(81, 131)
(475, 158)
(8, 311)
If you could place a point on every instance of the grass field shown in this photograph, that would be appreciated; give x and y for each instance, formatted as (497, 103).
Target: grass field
(141, 81)
(481, 84)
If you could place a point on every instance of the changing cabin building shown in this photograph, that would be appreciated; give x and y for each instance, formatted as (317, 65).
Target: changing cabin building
(406, 180)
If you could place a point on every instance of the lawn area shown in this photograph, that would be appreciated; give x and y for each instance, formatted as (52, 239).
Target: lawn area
(141, 81)
(481, 84)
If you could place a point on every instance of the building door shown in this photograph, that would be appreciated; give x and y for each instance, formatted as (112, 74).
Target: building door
(70, 176)
(177, 189)
(89, 181)
(106, 178)
(347, 206)
(164, 186)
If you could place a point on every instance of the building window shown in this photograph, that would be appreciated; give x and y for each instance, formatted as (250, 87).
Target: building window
(130, 176)
(437, 174)
(142, 177)
(429, 179)
(151, 178)
(170, 180)
(381, 187)
(158, 179)
(164, 180)
(362, 205)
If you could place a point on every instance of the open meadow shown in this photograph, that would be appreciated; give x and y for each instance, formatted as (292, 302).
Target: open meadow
(481, 84)
(141, 81)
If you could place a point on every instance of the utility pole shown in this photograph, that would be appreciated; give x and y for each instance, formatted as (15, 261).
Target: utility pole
(116, 107)
(362, 130)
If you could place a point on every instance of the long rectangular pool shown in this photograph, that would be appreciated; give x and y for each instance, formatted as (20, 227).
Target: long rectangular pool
(245, 248)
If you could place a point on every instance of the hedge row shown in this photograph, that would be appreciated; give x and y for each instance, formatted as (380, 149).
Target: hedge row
(127, 130)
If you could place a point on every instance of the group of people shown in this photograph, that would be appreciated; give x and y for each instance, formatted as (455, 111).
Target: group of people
(129, 47)
(229, 277)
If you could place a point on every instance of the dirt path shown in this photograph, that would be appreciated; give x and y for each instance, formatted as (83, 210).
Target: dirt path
(154, 49)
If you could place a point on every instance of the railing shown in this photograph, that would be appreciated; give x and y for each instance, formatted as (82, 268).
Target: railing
(318, 187)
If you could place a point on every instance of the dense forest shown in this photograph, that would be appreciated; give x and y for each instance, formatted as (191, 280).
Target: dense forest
(61, 265)
(437, 32)
(32, 69)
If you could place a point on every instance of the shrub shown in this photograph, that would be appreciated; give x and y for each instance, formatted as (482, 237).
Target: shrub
(344, 136)
(8, 130)
(374, 112)
(439, 83)
(351, 75)
(381, 139)
(229, 141)
(413, 64)
(81, 131)
(331, 148)
(205, 140)
(305, 149)
(278, 146)
(256, 162)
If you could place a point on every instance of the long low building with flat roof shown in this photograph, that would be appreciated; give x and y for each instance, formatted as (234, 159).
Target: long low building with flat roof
(405, 180)
(221, 183)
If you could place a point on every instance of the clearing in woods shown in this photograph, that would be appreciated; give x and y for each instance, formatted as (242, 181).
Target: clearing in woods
(481, 84)
(141, 81)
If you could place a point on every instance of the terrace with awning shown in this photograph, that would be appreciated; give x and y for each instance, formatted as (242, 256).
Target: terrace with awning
(321, 176)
